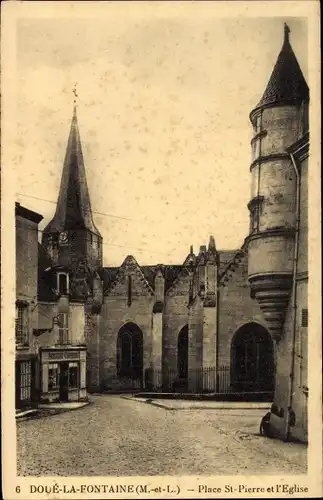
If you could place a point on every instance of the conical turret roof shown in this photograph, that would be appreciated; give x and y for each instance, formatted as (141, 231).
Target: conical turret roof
(73, 210)
(287, 84)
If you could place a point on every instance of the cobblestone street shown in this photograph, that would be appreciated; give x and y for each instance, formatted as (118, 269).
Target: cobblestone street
(116, 436)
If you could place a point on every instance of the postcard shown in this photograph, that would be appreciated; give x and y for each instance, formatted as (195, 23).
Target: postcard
(160, 218)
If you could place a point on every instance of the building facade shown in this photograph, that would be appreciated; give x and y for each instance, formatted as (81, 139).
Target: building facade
(224, 321)
(26, 305)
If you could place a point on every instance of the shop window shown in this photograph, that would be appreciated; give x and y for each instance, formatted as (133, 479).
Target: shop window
(53, 377)
(304, 318)
(21, 324)
(63, 328)
(62, 283)
(73, 371)
(25, 380)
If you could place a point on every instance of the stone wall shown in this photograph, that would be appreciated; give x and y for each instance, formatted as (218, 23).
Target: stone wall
(175, 318)
(236, 308)
(26, 258)
(285, 347)
(115, 313)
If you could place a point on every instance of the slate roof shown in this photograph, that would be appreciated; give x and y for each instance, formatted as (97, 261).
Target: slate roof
(170, 272)
(287, 84)
(109, 274)
(225, 257)
(45, 291)
(73, 209)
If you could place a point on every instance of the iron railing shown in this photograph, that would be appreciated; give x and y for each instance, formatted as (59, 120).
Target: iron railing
(198, 381)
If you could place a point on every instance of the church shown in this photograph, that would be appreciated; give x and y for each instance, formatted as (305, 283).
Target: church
(222, 321)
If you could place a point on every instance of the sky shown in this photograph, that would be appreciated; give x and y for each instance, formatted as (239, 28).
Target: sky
(163, 109)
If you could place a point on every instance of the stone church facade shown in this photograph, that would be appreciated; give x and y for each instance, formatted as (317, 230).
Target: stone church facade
(216, 322)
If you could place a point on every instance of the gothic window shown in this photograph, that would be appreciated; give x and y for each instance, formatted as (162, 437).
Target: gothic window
(53, 377)
(62, 284)
(21, 324)
(182, 353)
(130, 352)
(63, 328)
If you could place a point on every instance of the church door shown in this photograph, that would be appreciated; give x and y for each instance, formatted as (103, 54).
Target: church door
(252, 359)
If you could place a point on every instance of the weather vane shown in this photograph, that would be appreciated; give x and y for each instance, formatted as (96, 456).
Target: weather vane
(286, 31)
(75, 93)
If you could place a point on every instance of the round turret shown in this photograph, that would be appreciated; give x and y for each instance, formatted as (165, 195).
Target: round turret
(277, 122)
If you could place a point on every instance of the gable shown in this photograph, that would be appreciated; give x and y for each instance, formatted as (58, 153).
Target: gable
(116, 283)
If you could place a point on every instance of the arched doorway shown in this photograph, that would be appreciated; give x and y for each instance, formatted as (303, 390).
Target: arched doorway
(182, 358)
(130, 355)
(252, 359)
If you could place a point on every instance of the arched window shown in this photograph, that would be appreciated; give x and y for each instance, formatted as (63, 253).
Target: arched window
(130, 352)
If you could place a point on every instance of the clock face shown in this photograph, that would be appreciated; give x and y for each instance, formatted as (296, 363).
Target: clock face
(63, 237)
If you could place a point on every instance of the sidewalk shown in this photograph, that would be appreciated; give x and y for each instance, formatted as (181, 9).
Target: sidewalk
(184, 404)
(73, 405)
(46, 410)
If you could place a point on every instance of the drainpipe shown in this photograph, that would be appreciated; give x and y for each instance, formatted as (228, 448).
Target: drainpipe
(294, 306)
(217, 374)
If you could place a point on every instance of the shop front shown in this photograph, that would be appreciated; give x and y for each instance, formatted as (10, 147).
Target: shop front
(63, 374)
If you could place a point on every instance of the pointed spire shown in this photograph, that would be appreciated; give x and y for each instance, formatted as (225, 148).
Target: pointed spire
(202, 255)
(191, 250)
(287, 84)
(212, 248)
(73, 208)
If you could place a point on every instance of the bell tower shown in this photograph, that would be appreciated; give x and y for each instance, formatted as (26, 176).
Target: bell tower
(71, 238)
(276, 122)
